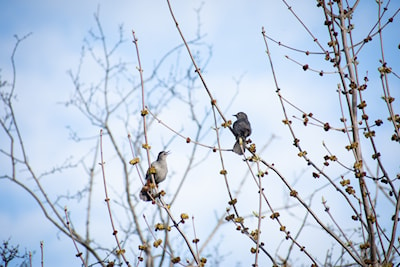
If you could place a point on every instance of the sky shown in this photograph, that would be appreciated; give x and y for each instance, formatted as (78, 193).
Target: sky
(237, 66)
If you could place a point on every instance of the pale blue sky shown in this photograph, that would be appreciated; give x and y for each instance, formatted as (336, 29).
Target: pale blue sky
(232, 28)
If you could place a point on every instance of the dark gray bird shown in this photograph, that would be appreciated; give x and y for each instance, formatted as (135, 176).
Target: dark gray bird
(241, 130)
(159, 169)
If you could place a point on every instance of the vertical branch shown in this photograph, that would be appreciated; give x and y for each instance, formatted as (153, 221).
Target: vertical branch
(144, 109)
(41, 254)
(89, 202)
(13, 65)
(259, 217)
(107, 62)
(358, 166)
(195, 240)
(147, 147)
(135, 217)
(384, 71)
(79, 254)
(120, 251)
(303, 153)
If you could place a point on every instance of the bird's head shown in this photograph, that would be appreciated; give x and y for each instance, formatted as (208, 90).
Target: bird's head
(240, 115)
(163, 154)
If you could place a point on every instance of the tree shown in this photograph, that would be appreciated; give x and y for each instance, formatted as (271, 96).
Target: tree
(352, 171)
(9, 253)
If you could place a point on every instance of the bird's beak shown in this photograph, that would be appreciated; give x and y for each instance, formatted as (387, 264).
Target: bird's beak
(168, 152)
(235, 115)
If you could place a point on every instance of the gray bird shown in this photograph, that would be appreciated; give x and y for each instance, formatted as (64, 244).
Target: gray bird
(241, 130)
(159, 169)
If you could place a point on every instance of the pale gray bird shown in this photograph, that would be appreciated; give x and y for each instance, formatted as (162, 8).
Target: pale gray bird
(241, 130)
(159, 170)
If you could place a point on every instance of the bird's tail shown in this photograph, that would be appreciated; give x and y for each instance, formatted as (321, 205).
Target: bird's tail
(144, 193)
(237, 148)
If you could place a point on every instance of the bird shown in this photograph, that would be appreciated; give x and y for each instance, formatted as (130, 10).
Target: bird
(241, 130)
(159, 170)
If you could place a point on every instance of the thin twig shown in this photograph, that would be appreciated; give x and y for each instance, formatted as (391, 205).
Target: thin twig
(120, 250)
(71, 232)
(41, 253)
(147, 147)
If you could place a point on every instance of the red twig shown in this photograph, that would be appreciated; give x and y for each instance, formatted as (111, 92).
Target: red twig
(71, 232)
(120, 250)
